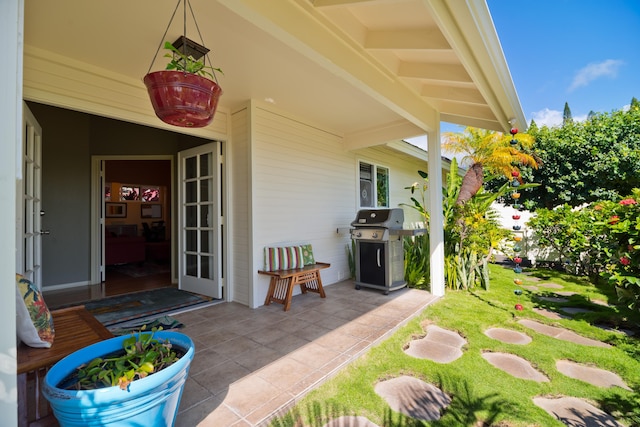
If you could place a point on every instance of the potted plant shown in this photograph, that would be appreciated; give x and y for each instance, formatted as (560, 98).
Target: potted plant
(182, 95)
(123, 381)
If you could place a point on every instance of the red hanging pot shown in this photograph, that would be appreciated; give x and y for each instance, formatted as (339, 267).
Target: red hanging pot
(183, 99)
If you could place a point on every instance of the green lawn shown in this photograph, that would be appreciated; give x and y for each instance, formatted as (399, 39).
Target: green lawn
(479, 391)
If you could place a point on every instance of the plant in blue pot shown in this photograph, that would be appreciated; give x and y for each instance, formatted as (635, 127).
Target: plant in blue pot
(129, 380)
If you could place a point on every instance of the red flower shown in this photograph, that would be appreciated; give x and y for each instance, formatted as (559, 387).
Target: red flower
(614, 219)
(598, 207)
(628, 202)
(625, 261)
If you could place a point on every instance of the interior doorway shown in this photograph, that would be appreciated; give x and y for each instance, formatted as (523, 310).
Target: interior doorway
(136, 223)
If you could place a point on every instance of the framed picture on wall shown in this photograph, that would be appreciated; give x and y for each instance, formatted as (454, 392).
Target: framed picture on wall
(151, 210)
(116, 210)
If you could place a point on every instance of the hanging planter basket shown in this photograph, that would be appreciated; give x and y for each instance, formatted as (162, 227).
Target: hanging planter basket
(183, 99)
(181, 95)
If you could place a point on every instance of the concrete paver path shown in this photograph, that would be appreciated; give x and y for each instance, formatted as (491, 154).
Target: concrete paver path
(576, 412)
(413, 397)
(439, 345)
(561, 333)
(595, 376)
(514, 365)
(508, 336)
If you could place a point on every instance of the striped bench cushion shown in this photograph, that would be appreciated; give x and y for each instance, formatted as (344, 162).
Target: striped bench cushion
(283, 258)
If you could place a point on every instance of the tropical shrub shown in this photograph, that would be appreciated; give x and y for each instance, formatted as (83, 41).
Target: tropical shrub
(471, 233)
(623, 269)
(576, 235)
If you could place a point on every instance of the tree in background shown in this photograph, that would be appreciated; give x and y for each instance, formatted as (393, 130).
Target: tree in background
(489, 151)
(583, 162)
(566, 115)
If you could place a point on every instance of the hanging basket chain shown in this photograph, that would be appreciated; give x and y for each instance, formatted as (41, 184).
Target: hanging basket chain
(163, 37)
(213, 71)
(184, 46)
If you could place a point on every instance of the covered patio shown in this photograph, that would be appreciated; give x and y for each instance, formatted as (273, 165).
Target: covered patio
(253, 364)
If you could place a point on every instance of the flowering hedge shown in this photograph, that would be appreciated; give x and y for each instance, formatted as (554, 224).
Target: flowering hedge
(623, 269)
(601, 240)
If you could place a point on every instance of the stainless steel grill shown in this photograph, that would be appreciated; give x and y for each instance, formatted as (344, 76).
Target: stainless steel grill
(379, 253)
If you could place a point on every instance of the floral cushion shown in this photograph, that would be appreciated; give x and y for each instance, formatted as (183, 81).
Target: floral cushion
(307, 255)
(34, 323)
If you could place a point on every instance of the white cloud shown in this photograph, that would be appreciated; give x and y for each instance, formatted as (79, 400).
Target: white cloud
(593, 71)
(547, 117)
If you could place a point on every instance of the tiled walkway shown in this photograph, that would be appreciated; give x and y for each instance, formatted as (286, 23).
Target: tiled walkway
(250, 364)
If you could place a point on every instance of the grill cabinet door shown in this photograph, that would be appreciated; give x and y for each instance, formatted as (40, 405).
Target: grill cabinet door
(372, 263)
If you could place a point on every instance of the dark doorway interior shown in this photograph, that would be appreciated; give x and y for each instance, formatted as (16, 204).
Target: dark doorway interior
(137, 224)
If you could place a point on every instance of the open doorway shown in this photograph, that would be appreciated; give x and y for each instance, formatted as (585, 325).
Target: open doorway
(137, 236)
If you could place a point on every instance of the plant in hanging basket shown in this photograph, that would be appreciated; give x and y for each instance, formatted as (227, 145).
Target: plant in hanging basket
(182, 95)
(123, 381)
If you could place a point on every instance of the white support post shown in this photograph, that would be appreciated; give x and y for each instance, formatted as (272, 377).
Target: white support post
(11, 32)
(436, 219)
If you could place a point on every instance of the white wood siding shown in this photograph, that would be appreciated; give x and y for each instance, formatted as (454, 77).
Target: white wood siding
(304, 188)
(64, 82)
(240, 233)
(303, 191)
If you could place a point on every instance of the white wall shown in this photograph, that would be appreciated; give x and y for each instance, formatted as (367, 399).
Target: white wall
(304, 189)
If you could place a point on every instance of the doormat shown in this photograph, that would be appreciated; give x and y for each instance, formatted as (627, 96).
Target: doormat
(150, 304)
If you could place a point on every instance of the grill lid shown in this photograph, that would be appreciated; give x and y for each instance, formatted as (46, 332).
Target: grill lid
(387, 218)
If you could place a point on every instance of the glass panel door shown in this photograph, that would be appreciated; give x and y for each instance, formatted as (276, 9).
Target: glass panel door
(200, 220)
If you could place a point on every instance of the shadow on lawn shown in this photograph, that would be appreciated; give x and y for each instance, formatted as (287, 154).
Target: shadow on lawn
(463, 410)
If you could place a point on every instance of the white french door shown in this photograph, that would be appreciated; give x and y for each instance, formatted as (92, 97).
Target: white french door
(29, 257)
(201, 220)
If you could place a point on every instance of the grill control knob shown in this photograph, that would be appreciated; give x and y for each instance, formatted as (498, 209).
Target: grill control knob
(358, 234)
(375, 235)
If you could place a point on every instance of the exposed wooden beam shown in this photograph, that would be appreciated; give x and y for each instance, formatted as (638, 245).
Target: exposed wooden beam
(458, 94)
(406, 39)
(382, 134)
(329, 3)
(434, 71)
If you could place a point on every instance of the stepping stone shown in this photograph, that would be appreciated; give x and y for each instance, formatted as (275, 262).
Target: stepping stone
(413, 397)
(553, 299)
(549, 314)
(352, 421)
(561, 334)
(575, 310)
(576, 412)
(508, 336)
(515, 366)
(626, 332)
(565, 293)
(600, 302)
(594, 376)
(551, 285)
(439, 345)
(531, 288)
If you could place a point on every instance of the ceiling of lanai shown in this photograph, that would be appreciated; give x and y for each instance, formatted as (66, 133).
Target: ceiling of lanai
(360, 67)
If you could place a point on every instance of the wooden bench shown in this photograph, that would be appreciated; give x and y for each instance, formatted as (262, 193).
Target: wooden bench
(283, 281)
(75, 328)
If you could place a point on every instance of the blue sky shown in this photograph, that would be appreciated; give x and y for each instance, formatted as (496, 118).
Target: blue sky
(584, 52)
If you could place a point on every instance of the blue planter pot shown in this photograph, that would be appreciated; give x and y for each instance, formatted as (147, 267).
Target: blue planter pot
(150, 401)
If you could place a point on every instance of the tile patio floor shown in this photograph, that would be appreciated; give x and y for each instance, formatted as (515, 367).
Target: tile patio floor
(252, 364)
